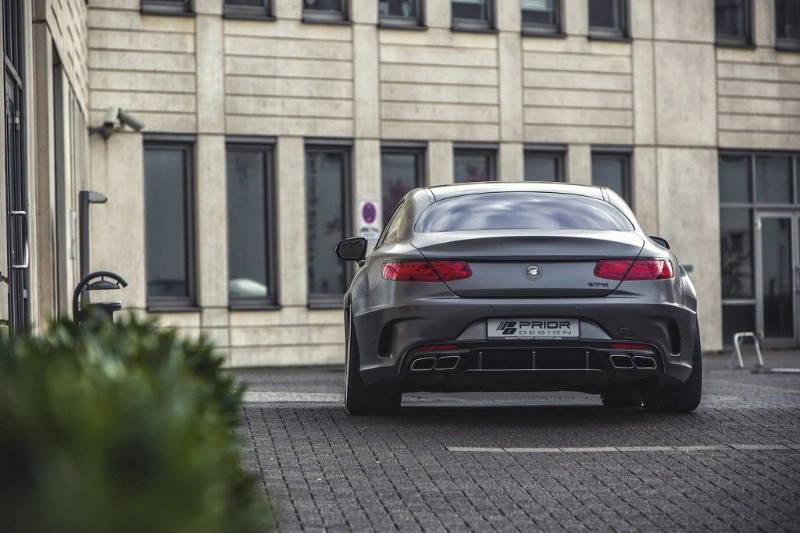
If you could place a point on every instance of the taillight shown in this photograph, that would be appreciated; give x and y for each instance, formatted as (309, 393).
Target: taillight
(630, 270)
(426, 270)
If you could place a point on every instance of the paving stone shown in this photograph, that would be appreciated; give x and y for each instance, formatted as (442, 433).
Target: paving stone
(530, 462)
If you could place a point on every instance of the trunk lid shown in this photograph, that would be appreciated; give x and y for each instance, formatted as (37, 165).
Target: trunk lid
(526, 264)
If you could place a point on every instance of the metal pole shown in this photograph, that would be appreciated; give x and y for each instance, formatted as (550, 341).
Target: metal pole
(85, 198)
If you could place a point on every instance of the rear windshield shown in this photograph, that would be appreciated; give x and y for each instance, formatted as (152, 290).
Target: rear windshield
(521, 210)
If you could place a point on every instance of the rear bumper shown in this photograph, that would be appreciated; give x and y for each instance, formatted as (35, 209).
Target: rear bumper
(389, 336)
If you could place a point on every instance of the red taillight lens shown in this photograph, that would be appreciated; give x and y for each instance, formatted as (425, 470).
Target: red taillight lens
(629, 270)
(650, 269)
(612, 269)
(426, 270)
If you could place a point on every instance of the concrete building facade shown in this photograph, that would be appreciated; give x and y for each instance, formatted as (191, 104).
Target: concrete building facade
(44, 157)
(269, 128)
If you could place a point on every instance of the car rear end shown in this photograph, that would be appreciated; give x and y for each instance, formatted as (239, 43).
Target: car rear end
(477, 300)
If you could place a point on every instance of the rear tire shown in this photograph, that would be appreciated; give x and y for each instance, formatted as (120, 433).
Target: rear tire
(360, 399)
(622, 396)
(682, 399)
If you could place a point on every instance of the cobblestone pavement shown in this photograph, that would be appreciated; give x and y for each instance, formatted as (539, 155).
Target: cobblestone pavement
(527, 462)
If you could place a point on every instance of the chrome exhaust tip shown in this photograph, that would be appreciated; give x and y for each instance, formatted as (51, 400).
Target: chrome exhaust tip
(423, 364)
(621, 361)
(448, 362)
(644, 362)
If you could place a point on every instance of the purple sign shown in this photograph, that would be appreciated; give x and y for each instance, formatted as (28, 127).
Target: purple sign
(369, 212)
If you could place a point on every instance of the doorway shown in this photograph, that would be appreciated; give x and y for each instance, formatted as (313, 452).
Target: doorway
(16, 194)
(778, 277)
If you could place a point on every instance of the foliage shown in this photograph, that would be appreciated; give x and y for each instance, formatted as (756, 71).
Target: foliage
(120, 428)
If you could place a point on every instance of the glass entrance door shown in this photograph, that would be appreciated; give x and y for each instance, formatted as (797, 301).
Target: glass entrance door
(15, 188)
(777, 286)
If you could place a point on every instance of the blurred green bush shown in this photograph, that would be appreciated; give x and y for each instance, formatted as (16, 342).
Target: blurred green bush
(120, 428)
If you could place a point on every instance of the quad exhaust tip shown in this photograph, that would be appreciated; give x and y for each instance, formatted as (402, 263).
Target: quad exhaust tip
(423, 364)
(622, 361)
(426, 364)
(644, 362)
(449, 362)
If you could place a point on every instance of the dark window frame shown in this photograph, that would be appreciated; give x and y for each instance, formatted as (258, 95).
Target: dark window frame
(619, 32)
(345, 147)
(315, 16)
(784, 43)
(477, 25)
(187, 144)
(489, 150)
(419, 149)
(267, 146)
(625, 154)
(558, 152)
(262, 12)
(549, 30)
(394, 21)
(755, 208)
(165, 7)
(745, 40)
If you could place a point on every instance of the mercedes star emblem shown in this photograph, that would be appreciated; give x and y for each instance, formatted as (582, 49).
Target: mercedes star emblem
(533, 272)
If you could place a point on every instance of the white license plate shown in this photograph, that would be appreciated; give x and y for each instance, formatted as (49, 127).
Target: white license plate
(532, 328)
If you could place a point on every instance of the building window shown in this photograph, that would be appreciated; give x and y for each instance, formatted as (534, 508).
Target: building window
(402, 169)
(751, 187)
(541, 16)
(247, 8)
(612, 169)
(327, 221)
(733, 22)
(608, 18)
(169, 223)
(251, 225)
(787, 24)
(324, 10)
(400, 12)
(544, 165)
(474, 163)
(166, 7)
(472, 14)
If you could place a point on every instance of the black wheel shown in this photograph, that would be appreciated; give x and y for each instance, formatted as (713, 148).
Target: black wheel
(681, 399)
(359, 399)
(622, 396)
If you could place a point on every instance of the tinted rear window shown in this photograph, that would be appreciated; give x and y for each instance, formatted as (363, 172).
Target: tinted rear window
(521, 210)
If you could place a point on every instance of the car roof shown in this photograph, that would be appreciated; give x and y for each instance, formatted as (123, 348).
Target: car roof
(442, 192)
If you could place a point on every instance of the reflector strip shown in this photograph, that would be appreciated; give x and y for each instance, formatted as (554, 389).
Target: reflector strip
(626, 346)
(436, 348)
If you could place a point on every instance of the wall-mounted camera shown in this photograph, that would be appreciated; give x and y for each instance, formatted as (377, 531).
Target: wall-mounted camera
(116, 119)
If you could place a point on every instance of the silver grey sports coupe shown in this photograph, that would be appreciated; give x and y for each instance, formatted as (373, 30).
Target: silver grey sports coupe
(519, 287)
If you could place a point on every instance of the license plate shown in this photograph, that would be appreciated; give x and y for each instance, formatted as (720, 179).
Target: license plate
(532, 328)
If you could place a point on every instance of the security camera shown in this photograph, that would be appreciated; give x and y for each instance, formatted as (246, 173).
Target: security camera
(110, 122)
(130, 120)
(111, 117)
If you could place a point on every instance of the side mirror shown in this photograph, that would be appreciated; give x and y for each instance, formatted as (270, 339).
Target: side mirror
(354, 249)
(660, 241)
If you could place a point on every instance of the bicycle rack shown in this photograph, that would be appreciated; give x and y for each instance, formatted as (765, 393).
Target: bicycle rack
(737, 353)
(759, 368)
